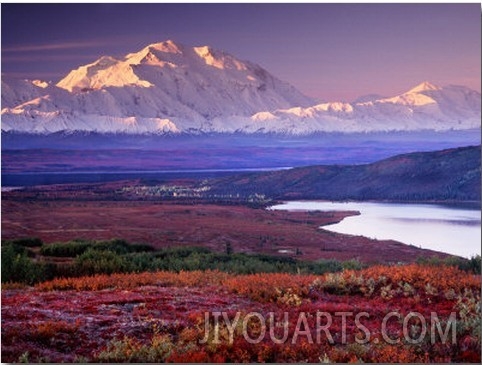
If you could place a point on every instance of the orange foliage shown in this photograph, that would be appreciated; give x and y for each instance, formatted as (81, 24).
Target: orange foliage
(399, 354)
(408, 288)
(134, 280)
(270, 287)
(418, 276)
(45, 331)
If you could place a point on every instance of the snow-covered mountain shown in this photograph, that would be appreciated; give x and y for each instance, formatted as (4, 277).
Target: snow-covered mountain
(424, 107)
(168, 87)
(17, 91)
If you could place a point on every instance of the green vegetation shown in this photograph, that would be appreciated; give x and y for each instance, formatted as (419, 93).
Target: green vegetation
(472, 265)
(18, 267)
(23, 261)
(70, 249)
(78, 247)
(25, 242)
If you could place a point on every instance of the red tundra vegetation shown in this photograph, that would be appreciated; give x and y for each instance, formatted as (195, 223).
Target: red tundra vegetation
(385, 313)
(167, 224)
(213, 316)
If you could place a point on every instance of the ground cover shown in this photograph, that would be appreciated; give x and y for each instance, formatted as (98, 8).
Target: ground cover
(163, 316)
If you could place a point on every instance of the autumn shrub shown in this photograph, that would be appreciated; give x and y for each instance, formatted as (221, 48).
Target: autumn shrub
(341, 283)
(44, 331)
(134, 280)
(387, 282)
(332, 276)
(470, 316)
(271, 287)
(441, 278)
(387, 353)
(377, 290)
(132, 350)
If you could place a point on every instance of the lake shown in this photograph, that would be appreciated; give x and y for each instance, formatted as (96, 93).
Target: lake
(454, 230)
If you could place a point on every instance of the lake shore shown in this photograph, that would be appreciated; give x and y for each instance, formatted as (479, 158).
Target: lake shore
(68, 212)
(432, 226)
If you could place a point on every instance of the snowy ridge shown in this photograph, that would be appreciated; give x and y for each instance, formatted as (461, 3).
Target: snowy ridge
(16, 92)
(171, 88)
(424, 107)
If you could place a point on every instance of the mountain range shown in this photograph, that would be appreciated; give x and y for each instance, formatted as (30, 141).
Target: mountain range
(171, 88)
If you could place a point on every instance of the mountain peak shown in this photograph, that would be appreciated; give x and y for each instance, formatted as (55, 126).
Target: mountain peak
(168, 86)
(168, 46)
(219, 59)
(424, 86)
(203, 51)
(40, 83)
(105, 61)
(150, 51)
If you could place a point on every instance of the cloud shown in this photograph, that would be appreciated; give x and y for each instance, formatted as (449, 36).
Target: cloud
(49, 76)
(55, 46)
(49, 57)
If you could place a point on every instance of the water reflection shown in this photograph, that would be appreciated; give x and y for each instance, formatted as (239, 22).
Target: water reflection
(454, 230)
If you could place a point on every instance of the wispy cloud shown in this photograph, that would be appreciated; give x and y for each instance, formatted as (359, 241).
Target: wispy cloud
(48, 57)
(55, 46)
(50, 76)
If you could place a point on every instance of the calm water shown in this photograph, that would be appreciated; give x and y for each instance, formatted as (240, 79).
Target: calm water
(448, 229)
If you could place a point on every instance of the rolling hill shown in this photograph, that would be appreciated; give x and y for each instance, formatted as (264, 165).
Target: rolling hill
(447, 175)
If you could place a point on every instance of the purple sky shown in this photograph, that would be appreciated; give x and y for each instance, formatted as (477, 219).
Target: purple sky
(328, 51)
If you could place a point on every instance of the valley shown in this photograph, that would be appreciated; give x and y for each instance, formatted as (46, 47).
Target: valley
(240, 183)
(186, 209)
